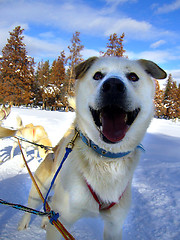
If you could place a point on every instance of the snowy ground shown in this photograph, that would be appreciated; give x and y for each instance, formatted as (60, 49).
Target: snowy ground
(155, 211)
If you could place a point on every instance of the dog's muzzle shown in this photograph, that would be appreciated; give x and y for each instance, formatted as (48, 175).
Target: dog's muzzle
(112, 116)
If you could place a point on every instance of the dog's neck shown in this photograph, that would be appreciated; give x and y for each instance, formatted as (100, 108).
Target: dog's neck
(102, 151)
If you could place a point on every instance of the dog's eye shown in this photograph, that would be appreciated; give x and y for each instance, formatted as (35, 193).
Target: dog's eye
(132, 77)
(98, 76)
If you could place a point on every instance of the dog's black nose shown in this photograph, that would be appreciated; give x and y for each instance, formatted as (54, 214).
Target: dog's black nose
(113, 86)
(113, 92)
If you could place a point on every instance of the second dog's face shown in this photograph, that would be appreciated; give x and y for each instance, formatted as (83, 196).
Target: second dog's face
(114, 100)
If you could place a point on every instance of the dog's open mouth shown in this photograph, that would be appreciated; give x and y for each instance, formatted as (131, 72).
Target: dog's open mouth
(113, 122)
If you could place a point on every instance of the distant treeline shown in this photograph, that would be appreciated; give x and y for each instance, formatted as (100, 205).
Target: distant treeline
(23, 82)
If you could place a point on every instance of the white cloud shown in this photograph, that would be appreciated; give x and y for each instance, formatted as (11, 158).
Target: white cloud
(43, 47)
(131, 27)
(157, 56)
(47, 35)
(81, 17)
(5, 28)
(89, 53)
(175, 75)
(158, 44)
(69, 17)
(40, 49)
(166, 8)
(117, 2)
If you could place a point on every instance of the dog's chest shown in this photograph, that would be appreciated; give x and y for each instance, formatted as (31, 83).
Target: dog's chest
(108, 179)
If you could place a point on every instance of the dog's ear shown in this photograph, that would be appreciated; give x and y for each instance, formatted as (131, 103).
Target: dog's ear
(153, 69)
(82, 68)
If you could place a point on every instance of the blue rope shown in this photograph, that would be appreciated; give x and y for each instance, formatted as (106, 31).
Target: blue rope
(68, 150)
(53, 216)
(26, 209)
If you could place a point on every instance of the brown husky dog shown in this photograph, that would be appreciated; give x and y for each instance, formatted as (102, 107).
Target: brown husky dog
(34, 134)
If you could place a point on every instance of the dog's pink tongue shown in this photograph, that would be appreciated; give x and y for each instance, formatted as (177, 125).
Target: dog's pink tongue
(114, 126)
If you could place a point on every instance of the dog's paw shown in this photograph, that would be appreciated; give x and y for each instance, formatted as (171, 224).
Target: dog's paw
(44, 222)
(24, 223)
(22, 165)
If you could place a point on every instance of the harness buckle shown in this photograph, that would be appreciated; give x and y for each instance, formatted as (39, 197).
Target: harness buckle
(71, 143)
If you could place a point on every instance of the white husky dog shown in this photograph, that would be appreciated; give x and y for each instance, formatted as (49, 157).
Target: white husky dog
(114, 106)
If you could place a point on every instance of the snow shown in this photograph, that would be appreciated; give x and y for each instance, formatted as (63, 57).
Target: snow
(51, 88)
(155, 209)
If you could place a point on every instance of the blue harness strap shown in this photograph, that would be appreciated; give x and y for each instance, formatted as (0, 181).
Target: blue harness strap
(103, 152)
(141, 147)
(68, 150)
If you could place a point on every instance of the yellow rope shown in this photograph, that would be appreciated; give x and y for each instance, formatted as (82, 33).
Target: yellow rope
(57, 223)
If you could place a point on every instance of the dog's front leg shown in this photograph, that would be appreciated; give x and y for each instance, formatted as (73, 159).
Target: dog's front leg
(53, 234)
(33, 202)
(113, 222)
(43, 179)
(112, 230)
(15, 144)
(67, 215)
(35, 153)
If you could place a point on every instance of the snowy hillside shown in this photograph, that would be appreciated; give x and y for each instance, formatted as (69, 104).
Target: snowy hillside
(155, 211)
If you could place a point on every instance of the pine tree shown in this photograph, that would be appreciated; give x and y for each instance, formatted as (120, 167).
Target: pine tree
(178, 102)
(58, 82)
(74, 58)
(17, 70)
(42, 81)
(115, 46)
(1, 92)
(170, 100)
(158, 101)
(43, 73)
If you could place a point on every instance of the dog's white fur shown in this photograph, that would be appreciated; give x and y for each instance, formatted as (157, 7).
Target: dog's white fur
(108, 177)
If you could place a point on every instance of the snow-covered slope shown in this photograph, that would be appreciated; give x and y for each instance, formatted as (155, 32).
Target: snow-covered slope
(156, 193)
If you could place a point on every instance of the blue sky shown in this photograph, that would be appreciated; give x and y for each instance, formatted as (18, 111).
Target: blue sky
(151, 27)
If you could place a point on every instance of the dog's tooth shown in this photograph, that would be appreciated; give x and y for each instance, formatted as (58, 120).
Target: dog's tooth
(126, 118)
(100, 117)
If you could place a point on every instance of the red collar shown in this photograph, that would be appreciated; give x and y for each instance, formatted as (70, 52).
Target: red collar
(102, 205)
